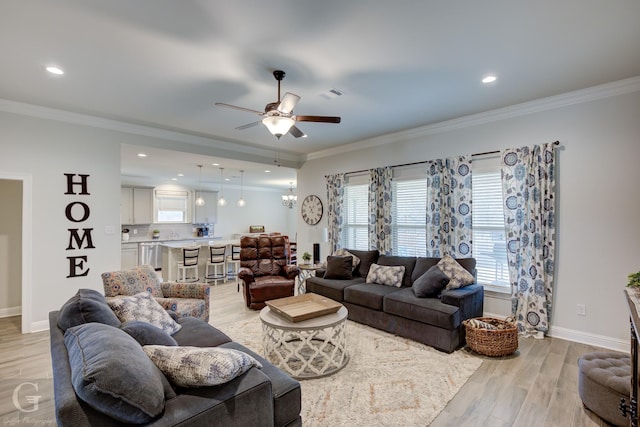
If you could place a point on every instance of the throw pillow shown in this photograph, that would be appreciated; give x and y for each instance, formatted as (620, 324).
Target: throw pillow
(86, 306)
(200, 366)
(477, 323)
(343, 252)
(111, 373)
(431, 283)
(386, 275)
(145, 308)
(458, 276)
(147, 334)
(339, 267)
(132, 281)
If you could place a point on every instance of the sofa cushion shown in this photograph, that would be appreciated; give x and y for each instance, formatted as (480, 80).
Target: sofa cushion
(111, 373)
(145, 308)
(408, 262)
(200, 366)
(423, 264)
(331, 288)
(368, 295)
(343, 252)
(458, 275)
(86, 306)
(132, 281)
(339, 267)
(386, 275)
(432, 311)
(198, 333)
(147, 334)
(430, 284)
(366, 259)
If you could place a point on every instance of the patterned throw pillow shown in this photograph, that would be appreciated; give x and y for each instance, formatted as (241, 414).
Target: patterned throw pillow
(344, 252)
(477, 323)
(386, 275)
(458, 276)
(200, 366)
(145, 308)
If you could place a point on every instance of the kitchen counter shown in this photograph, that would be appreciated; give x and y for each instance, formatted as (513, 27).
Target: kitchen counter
(181, 239)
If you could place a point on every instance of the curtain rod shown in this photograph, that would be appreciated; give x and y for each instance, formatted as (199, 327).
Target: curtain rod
(425, 161)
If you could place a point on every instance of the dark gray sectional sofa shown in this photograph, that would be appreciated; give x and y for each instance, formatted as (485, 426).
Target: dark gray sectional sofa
(258, 397)
(435, 321)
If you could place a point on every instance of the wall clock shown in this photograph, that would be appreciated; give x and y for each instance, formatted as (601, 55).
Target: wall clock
(312, 209)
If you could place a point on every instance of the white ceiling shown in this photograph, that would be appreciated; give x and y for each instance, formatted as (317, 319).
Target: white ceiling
(401, 64)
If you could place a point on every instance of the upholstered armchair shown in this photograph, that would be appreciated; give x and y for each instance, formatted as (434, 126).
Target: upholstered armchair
(185, 299)
(264, 271)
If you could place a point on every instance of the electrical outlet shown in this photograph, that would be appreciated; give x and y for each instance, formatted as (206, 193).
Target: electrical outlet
(135, 231)
(110, 229)
(581, 310)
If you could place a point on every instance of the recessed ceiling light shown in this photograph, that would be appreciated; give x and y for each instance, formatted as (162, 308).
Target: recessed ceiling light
(267, 171)
(180, 174)
(54, 70)
(142, 155)
(215, 164)
(489, 79)
(174, 179)
(227, 179)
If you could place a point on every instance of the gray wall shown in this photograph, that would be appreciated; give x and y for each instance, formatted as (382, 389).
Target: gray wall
(598, 232)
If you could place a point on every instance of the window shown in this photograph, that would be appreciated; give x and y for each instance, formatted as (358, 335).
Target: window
(409, 206)
(355, 213)
(489, 241)
(172, 206)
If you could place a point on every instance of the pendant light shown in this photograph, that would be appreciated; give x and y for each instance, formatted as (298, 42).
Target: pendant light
(241, 203)
(199, 200)
(221, 200)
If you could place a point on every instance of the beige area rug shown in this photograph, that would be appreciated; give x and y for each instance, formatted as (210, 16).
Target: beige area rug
(389, 381)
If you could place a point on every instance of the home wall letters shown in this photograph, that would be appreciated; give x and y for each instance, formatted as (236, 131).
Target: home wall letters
(77, 212)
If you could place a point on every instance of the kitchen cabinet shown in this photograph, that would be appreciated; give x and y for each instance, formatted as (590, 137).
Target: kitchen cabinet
(128, 256)
(136, 205)
(207, 214)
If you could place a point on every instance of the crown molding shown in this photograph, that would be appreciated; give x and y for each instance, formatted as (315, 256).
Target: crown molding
(606, 90)
(241, 151)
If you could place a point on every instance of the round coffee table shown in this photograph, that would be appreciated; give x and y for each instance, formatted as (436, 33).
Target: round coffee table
(311, 348)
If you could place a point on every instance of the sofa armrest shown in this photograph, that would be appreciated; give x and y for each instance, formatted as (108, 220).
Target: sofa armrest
(320, 272)
(291, 271)
(188, 290)
(469, 299)
(246, 275)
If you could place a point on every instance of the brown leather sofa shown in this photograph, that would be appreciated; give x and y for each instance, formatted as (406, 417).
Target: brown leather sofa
(264, 271)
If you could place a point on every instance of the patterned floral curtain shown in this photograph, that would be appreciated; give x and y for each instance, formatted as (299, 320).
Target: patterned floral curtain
(380, 209)
(335, 193)
(448, 216)
(528, 188)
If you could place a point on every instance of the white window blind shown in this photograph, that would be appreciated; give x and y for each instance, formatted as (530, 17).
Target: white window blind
(489, 242)
(409, 206)
(355, 215)
(171, 205)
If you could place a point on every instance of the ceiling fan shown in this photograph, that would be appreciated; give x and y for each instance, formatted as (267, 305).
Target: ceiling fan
(278, 116)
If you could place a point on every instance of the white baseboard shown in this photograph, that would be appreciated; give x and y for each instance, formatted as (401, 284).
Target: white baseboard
(11, 311)
(40, 326)
(581, 337)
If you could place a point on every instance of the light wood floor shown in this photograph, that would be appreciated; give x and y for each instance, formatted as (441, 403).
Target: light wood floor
(535, 387)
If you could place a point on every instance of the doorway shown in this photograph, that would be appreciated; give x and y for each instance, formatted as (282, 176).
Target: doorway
(15, 247)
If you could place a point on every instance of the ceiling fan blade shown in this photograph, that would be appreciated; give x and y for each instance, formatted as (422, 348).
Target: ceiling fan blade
(318, 119)
(249, 125)
(235, 107)
(296, 132)
(289, 100)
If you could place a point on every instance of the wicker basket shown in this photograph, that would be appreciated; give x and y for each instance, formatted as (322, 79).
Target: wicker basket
(493, 342)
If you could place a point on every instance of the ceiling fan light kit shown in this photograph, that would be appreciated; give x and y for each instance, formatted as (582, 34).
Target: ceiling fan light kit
(278, 116)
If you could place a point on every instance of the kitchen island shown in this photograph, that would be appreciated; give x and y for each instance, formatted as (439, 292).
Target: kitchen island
(172, 253)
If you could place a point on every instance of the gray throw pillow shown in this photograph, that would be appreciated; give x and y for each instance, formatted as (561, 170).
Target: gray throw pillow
(112, 374)
(147, 334)
(430, 284)
(339, 267)
(86, 306)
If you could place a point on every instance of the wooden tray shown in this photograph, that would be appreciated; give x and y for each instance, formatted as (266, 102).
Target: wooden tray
(303, 307)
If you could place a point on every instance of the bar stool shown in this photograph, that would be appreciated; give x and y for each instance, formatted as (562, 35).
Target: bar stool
(217, 262)
(233, 261)
(189, 262)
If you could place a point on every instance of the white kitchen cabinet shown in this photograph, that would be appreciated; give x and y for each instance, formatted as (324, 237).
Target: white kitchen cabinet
(207, 214)
(128, 256)
(136, 205)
